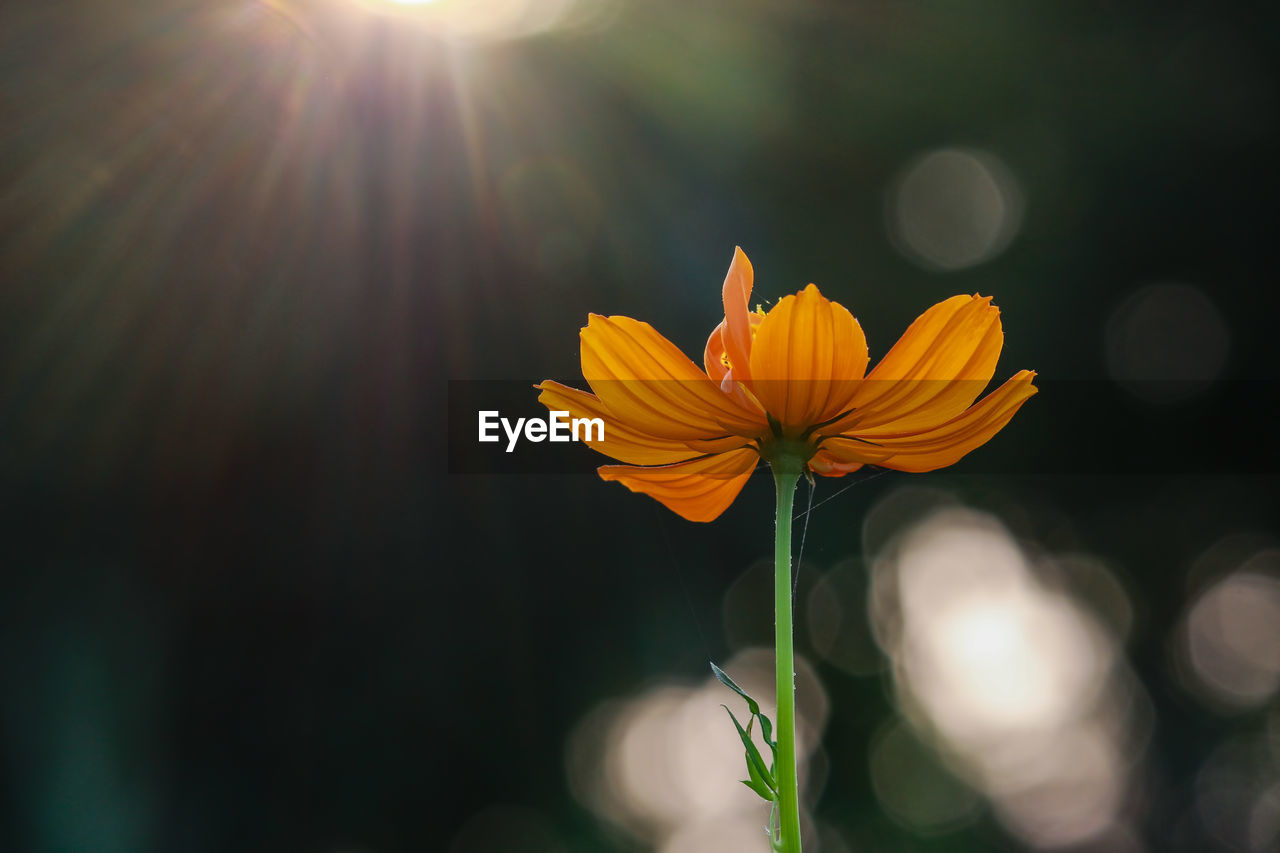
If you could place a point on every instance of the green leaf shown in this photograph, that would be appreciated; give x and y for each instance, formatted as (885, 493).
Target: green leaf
(766, 729)
(755, 764)
(765, 782)
(724, 678)
(759, 788)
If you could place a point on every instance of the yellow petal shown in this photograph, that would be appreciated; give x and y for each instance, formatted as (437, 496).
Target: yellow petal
(711, 355)
(736, 295)
(620, 441)
(698, 490)
(841, 454)
(807, 361)
(947, 443)
(934, 372)
(729, 379)
(648, 384)
(828, 465)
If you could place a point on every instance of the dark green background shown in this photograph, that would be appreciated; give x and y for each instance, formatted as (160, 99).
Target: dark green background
(245, 248)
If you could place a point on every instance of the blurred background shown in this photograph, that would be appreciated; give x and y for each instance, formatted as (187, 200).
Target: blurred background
(247, 244)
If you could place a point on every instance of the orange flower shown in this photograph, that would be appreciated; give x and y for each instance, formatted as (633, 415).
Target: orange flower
(790, 382)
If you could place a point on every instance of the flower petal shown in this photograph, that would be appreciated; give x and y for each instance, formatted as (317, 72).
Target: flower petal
(844, 453)
(736, 295)
(711, 355)
(807, 361)
(934, 372)
(829, 465)
(647, 383)
(714, 359)
(620, 441)
(947, 443)
(698, 490)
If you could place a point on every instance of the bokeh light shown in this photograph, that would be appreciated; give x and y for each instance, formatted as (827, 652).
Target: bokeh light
(1231, 636)
(1167, 342)
(662, 766)
(719, 835)
(839, 628)
(1264, 820)
(1013, 680)
(954, 208)
(914, 786)
(1236, 795)
(999, 652)
(493, 19)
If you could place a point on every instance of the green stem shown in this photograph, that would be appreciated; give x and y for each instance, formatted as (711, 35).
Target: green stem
(786, 473)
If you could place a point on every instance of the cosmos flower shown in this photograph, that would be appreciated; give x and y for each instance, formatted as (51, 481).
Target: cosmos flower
(790, 382)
